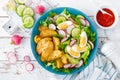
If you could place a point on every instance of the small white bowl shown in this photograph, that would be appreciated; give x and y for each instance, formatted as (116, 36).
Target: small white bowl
(115, 14)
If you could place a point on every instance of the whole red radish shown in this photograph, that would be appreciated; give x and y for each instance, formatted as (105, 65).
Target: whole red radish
(16, 39)
(40, 9)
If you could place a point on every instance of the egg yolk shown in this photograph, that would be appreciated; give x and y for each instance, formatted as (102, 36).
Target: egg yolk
(74, 53)
(63, 26)
(81, 48)
(83, 41)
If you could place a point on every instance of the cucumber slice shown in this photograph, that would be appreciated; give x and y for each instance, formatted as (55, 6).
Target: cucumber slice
(20, 9)
(16, 1)
(28, 11)
(25, 16)
(28, 22)
(75, 32)
(89, 46)
(21, 1)
(60, 19)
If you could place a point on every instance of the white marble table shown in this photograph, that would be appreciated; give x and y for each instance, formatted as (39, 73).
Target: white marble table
(17, 72)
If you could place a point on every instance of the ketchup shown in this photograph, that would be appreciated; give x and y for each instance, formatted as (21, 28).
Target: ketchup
(105, 20)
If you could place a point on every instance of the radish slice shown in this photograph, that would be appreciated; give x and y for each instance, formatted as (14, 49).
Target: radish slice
(70, 19)
(52, 26)
(55, 17)
(29, 67)
(80, 64)
(12, 59)
(92, 45)
(73, 42)
(64, 39)
(87, 23)
(67, 66)
(11, 54)
(62, 32)
(73, 65)
(27, 58)
(83, 21)
(69, 29)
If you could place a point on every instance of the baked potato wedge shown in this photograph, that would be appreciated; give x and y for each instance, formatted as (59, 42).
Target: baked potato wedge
(59, 63)
(55, 55)
(42, 45)
(56, 42)
(42, 28)
(64, 59)
(47, 33)
(45, 54)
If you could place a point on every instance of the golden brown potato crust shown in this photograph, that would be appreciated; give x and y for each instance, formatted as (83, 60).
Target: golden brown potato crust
(47, 33)
(56, 42)
(55, 55)
(42, 45)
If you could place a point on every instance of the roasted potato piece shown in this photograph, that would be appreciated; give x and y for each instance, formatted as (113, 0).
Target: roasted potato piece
(55, 55)
(56, 42)
(64, 59)
(59, 63)
(42, 45)
(42, 28)
(37, 38)
(45, 54)
(42, 59)
(47, 33)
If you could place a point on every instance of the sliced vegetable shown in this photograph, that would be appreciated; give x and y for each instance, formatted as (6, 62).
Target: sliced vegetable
(16, 1)
(21, 1)
(80, 16)
(75, 32)
(28, 11)
(9, 54)
(80, 64)
(29, 67)
(64, 39)
(69, 29)
(73, 42)
(62, 32)
(60, 19)
(83, 22)
(52, 26)
(13, 59)
(67, 66)
(25, 16)
(27, 58)
(73, 65)
(20, 9)
(28, 22)
(87, 23)
(92, 45)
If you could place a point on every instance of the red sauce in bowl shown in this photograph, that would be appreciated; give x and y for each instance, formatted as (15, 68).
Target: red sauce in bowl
(105, 20)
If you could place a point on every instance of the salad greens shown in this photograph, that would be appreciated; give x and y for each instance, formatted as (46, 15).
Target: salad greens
(74, 33)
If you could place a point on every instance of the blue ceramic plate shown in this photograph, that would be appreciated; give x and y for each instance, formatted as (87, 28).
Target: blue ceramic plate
(35, 32)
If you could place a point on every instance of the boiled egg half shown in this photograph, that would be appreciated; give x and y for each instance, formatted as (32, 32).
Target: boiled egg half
(64, 25)
(73, 51)
(83, 39)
